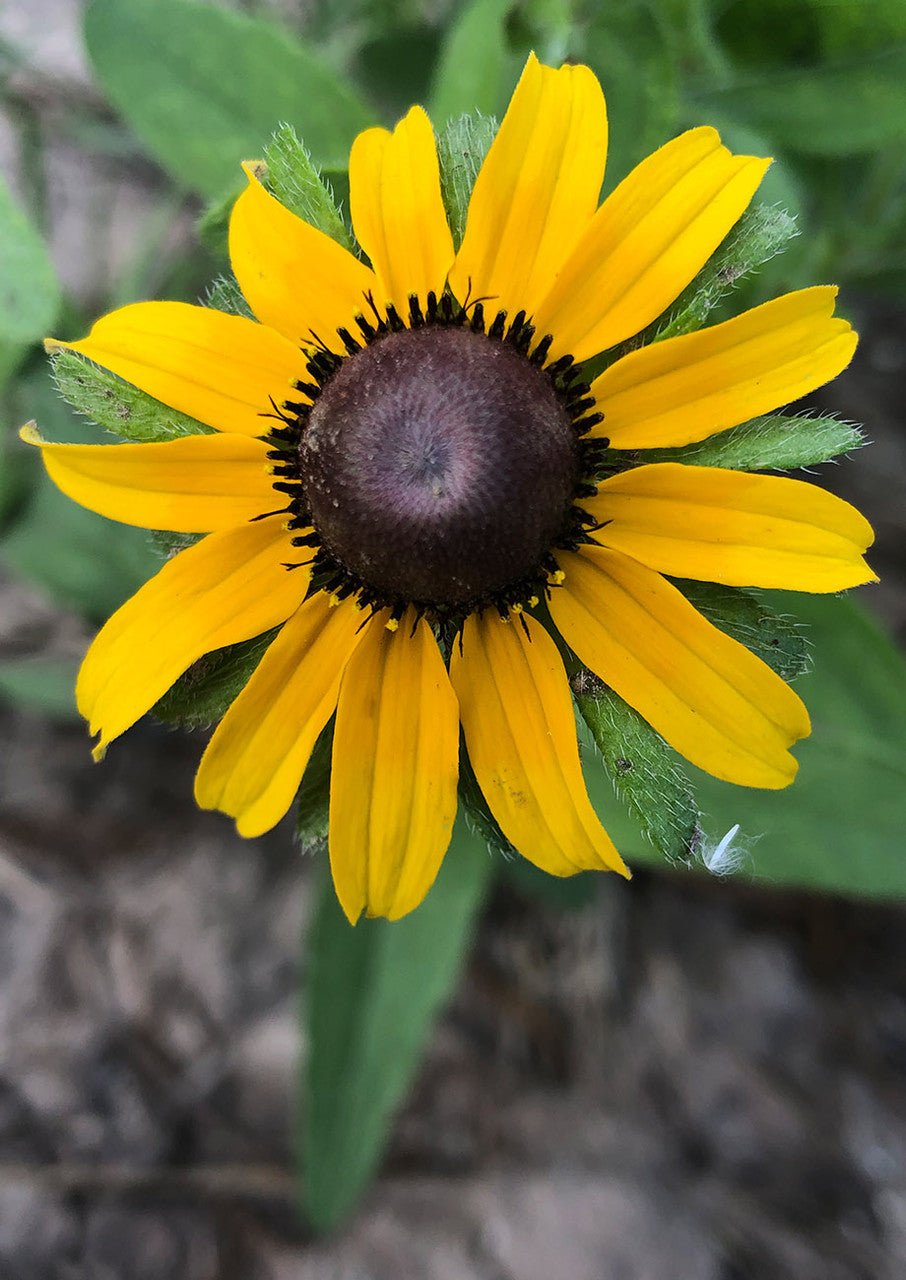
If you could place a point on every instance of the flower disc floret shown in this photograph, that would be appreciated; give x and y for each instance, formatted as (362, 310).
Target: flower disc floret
(438, 466)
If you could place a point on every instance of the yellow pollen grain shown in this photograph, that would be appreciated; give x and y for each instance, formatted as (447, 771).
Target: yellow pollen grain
(517, 608)
(392, 624)
(533, 600)
(557, 578)
(333, 601)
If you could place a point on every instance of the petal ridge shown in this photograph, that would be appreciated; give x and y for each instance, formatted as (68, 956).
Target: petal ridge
(395, 770)
(710, 697)
(397, 209)
(520, 730)
(743, 529)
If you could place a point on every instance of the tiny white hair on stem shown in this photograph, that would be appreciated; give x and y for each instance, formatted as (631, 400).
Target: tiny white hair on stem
(728, 855)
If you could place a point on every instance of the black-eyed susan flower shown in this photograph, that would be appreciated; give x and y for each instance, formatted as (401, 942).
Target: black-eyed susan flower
(413, 479)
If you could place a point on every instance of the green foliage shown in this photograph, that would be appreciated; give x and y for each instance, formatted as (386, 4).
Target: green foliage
(774, 442)
(46, 685)
(470, 70)
(373, 994)
(313, 800)
(296, 181)
(203, 87)
(461, 148)
(645, 772)
(202, 695)
(116, 405)
(839, 827)
(83, 561)
(856, 104)
(225, 295)
(29, 293)
(628, 48)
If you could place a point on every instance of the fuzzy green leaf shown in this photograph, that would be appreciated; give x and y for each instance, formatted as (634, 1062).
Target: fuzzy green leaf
(374, 992)
(116, 405)
(203, 87)
(296, 181)
(203, 694)
(775, 442)
(478, 817)
(461, 149)
(644, 770)
(225, 295)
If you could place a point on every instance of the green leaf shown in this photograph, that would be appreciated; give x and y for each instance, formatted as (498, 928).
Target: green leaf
(473, 57)
(41, 684)
(461, 149)
(82, 560)
(777, 442)
(645, 772)
(29, 293)
(214, 224)
(225, 295)
(373, 994)
(627, 48)
(295, 180)
(853, 105)
(204, 87)
(114, 404)
(839, 827)
(313, 800)
(203, 694)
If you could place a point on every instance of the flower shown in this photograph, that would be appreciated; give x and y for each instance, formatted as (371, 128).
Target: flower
(409, 477)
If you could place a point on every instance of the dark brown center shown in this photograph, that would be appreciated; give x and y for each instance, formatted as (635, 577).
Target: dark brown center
(438, 466)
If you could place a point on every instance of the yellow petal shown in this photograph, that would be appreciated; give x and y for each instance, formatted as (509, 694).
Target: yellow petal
(192, 485)
(646, 242)
(728, 526)
(217, 368)
(255, 760)
(397, 210)
(296, 279)
(708, 695)
(687, 388)
(536, 191)
(395, 769)
(520, 730)
(230, 586)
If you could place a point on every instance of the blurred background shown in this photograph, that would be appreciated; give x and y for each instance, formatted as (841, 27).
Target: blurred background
(692, 1075)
